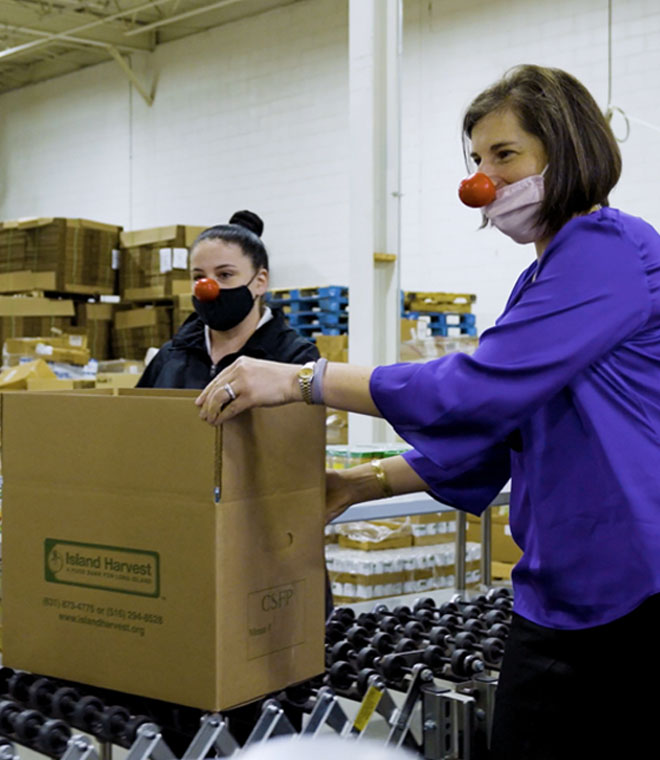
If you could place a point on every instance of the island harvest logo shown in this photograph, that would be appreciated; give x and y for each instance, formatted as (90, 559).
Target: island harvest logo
(112, 568)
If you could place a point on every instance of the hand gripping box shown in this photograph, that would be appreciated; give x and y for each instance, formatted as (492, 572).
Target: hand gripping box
(147, 552)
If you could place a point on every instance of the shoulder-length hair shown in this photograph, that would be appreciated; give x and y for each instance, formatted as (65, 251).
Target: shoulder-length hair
(584, 161)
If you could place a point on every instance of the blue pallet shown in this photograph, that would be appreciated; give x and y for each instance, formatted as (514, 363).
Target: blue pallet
(320, 304)
(326, 319)
(309, 294)
(444, 332)
(328, 303)
(306, 330)
(443, 319)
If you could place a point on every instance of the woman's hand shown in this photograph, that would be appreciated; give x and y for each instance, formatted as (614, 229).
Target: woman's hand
(359, 484)
(245, 384)
(255, 382)
(338, 494)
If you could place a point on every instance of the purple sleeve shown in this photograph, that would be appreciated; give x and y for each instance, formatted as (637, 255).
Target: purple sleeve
(590, 293)
(471, 491)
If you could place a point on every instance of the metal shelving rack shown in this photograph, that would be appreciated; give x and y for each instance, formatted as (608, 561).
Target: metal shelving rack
(423, 503)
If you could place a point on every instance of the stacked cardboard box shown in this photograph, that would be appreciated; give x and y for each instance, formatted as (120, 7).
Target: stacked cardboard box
(154, 263)
(75, 253)
(58, 255)
(138, 329)
(119, 373)
(183, 308)
(66, 348)
(13, 244)
(96, 319)
(34, 317)
(18, 378)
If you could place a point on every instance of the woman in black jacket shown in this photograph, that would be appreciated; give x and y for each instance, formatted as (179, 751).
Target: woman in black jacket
(234, 324)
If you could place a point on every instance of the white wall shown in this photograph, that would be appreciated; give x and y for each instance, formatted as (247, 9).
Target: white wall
(249, 115)
(254, 114)
(455, 48)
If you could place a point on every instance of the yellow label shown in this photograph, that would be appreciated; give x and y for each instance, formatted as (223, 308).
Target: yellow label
(367, 708)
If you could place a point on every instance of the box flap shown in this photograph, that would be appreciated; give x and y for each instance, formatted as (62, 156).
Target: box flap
(27, 280)
(165, 448)
(125, 320)
(20, 306)
(173, 234)
(255, 462)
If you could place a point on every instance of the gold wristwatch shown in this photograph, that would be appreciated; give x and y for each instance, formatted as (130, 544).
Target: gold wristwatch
(305, 375)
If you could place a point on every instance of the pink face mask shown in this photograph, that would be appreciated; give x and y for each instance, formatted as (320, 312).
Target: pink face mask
(516, 208)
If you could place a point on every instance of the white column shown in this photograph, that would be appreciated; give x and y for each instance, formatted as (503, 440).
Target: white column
(375, 28)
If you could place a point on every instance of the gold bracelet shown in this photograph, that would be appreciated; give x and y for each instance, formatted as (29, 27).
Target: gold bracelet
(381, 476)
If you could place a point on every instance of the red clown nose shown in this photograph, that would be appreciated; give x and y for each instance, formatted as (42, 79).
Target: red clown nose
(477, 190)
(206, 289)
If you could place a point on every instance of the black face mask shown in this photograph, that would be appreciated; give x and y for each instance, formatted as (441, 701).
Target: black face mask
(228, 309)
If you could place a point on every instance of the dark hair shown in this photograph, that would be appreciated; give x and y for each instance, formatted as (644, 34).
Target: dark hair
(584, 162)
(244, 229)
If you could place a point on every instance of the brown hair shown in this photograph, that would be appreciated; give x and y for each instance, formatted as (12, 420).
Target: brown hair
(584, 162)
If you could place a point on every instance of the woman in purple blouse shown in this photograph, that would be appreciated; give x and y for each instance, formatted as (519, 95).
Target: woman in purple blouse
(563, 397)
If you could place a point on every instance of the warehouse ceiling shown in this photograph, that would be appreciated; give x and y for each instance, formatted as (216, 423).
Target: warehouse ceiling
(42, 39)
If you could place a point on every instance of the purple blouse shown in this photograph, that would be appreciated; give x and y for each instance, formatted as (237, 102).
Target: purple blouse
(563, 396)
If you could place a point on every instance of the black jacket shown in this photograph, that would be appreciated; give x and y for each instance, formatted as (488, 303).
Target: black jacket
(184, 362)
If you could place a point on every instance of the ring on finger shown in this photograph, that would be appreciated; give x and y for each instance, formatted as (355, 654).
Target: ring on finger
(230, 392)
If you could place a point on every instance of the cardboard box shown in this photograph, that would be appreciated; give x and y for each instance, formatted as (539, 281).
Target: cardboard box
(116, 379)
(130, 366)
(70, 349)
(408, 330)
(175, 235)
(20, 306)
(334, 348)
(96, 319)
(77, 252)
(20, 282)
(22, 316)
(16, 378)
(183, 308)
(503, 547)
(171, 287)
(424, 349)
(435, 302)
(94, 312)
(155, 262)
(57, 384)
(137, 330)
(147, 552)
(501, 571)
(73, 340)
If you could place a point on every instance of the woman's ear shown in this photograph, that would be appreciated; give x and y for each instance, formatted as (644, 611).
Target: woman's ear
(261, 282)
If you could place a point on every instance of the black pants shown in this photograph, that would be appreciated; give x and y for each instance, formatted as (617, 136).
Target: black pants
(591, 694)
